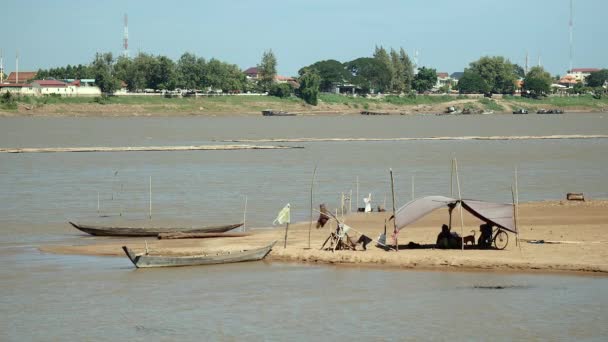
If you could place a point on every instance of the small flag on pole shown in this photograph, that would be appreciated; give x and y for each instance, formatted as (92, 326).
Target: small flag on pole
(284, 216)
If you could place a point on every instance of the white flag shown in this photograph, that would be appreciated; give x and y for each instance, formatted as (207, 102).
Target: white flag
(284, 216)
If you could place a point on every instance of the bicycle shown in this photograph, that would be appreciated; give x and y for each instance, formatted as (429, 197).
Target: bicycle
(500, 238)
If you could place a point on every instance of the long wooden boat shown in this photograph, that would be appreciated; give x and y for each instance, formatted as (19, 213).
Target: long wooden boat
(145, 261)
(149, 231)
(270, 112)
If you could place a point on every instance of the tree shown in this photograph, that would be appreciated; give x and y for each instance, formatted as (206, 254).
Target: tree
(224, 76)
(538, 81)
(309, 87)
(597, 78)
(519, 71)
(380, 54)
(103, 71)
(398, 72)
(472, 83)
(498, 73)
(190, 70)
(408, 70)
(282, 90)
(267, 69)
(369, 74)
(331, 72)
(425, 80)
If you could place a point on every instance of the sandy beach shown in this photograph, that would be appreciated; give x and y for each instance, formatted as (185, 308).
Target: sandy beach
(578, 232)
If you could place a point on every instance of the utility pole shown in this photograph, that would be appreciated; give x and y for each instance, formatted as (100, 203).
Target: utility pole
(571, 26)
(125, 39)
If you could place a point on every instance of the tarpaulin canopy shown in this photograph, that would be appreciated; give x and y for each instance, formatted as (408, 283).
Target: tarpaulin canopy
(498, 214)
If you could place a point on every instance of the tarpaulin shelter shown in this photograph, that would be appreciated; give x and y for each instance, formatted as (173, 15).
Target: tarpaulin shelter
(498, 214)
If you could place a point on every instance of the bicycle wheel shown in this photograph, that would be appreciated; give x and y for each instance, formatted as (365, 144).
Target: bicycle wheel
(501, 239)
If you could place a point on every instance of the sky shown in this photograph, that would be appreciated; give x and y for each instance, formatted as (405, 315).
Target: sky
(448, 34)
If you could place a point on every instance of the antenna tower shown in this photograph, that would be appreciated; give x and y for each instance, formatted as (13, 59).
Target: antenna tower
(1, 67)
(125, 39)
(571, 25)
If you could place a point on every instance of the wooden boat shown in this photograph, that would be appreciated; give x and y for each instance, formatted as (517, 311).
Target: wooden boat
(269, 112)
(365, 112)
(149, 231)
(145, 261)
(520, 111)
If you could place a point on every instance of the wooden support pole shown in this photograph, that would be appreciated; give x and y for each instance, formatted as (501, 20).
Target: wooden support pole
(312, 184)
(460, 200)
(286, 229)
(357, 194)
(245, 214)
(150, 214)
(394, 218)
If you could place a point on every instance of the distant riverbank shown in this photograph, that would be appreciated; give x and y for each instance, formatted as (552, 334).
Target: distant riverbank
(253, 105)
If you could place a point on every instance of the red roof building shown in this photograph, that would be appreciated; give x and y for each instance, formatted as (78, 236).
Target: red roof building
(49, 83)
(584, 70)
(24, 76)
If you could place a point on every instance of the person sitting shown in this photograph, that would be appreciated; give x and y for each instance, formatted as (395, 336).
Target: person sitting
(443, 239)
(485, 239)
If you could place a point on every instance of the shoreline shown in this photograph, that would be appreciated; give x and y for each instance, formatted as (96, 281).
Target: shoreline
(586, 222)
(329, 105)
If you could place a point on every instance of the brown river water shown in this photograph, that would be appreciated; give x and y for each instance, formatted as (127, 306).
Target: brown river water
(57, 297)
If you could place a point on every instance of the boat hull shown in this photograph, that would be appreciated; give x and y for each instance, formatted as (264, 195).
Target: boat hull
(149, 261)
(151, 231)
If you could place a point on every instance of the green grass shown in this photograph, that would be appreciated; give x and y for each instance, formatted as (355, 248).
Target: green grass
(491, 105)
(393, 100)
(560, 101)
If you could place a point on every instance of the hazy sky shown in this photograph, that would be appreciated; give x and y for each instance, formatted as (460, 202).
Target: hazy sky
(448, 34)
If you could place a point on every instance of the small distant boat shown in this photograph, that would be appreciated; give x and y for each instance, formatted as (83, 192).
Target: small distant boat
(549, 111)
(149, 231)
(270, 112)
(145, 261)
(373, 113)
(520, 111)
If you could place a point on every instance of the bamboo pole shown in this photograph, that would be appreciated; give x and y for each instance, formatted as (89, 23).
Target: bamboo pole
(350, 201)
(312, 183)
(245, 214)
(516, 209)
(286, 229)
(98, 205)
(452, 178)
(394, 218)
(460, 201)
(357, 194)
(150, 214)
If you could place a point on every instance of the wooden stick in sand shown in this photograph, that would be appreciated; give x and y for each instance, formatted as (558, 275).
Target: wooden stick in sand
(312, 183)
(394, 217)
(286, 229)
(460, 201)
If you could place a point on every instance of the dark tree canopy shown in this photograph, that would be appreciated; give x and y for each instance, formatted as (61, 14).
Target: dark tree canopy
(538, 81)
(498, 73)
(331, 72)
(309, 87)
(369, 74)
(103, 71)
(425, 80)
(597, 78)
(472, 83)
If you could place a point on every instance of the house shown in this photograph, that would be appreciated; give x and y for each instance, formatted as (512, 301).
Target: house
(568, 81)
(20, 77)
(17, 88)
(579, 74)
(443, 80)
(48, 87)
(252, 73)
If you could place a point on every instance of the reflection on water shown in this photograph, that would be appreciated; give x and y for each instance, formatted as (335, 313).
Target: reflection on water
(83, 298)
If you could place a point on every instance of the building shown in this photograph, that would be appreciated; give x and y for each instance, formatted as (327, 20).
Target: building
(17, 88)
(252, 74)
(48, 87)
(21, 77)
(443, 80)
(579, 74)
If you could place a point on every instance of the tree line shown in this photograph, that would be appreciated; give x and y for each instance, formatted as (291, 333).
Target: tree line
(385, 72)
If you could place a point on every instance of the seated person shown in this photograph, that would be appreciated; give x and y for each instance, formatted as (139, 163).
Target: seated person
(485, 239)
(443, 239)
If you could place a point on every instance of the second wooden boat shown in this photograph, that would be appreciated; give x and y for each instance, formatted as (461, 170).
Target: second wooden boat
(99, 230)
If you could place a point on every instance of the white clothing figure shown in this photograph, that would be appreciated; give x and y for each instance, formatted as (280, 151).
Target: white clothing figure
(368, 206)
